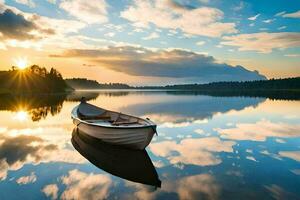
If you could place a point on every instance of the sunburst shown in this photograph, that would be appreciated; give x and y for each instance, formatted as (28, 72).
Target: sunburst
(21, 63)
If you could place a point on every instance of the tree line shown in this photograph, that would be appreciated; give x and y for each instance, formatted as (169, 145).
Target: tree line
(271, 84)
(83, 83)
(32, 79)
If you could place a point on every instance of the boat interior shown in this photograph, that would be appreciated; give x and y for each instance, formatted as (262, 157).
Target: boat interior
(97, 115)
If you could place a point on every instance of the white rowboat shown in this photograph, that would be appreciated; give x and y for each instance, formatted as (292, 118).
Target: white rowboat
(113, 127)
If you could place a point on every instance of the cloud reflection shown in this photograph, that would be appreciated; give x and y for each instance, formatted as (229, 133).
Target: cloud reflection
(201, 186)
(279, 193)
(295, 155)
(51, 191)
(15, 151)
(27, 179)
(81, 185)
(198, 151)
(189, 109)
(18, 150)
(260, 131)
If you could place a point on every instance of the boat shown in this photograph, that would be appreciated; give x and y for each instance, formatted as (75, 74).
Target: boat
(129, 164)
(113, 127)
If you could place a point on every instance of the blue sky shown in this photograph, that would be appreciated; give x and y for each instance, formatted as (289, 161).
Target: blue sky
(177, 35)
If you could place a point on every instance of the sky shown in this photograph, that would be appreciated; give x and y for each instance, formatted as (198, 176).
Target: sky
(154, 42)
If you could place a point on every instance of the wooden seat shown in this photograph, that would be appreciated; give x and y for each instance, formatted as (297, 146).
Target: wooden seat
(105, 118)
(124, 123)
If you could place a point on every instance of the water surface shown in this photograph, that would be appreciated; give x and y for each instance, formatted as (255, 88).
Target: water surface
(207, 148)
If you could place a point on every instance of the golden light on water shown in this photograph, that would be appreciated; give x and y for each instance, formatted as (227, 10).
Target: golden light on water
(21, 116)
(21, 63)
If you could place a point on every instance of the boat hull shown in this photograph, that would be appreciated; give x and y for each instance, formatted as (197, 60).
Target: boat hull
(132, 137)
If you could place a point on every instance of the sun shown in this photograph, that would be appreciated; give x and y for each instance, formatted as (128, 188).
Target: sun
(21, 63)
(21, 116)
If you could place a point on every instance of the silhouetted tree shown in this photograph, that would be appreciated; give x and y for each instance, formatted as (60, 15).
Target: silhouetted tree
(33, 79)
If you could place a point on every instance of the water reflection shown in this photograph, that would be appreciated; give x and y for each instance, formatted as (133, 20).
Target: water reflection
(191, 108)
(35, 106)
(77, 95)
(207, 148)
(38, 107)
(18, 150)
(188, 108)
(129, 164)
(195, 151)
(260, 131)
(21, 116)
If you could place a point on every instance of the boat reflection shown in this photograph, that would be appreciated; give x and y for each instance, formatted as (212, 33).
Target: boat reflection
(133, 165)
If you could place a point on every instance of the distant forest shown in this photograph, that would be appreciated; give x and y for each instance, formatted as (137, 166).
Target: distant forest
(272, 84)
(83, 83)
(34, 79)
(288, 88)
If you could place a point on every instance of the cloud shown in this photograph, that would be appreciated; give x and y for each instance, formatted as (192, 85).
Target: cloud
(119, 28)
(29, 3)
(80, 185)
(254, 17)
(292, 15)
(171, 15)
(296, 171)
(254, 41)
(15, 26)
(200, 151)
(110, 34)
(51, 191)
(280, 14)
(29, 30)
(52, 1)
(280, 140)
(3, 169)
(268, 21)
(174, 63)
(92, 11)
(151, 36)
(279, 193)
(272, 155)
(200, 43)
(251, 158)
(292, 55)
(200, 131)
(281, 27)
(295, 155)
(263, 29)
(260, 131)
(26, 179)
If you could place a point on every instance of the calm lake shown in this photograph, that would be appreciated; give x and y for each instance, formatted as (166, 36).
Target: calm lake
(207, 148)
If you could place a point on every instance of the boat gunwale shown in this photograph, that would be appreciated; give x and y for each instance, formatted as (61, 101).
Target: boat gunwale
(75, 116)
